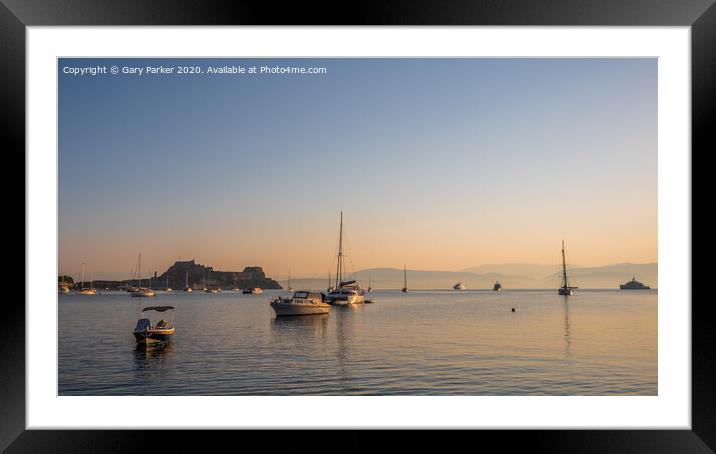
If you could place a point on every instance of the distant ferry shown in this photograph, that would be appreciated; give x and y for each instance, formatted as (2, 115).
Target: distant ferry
(634, 285)
(497, 287)
(459, 286)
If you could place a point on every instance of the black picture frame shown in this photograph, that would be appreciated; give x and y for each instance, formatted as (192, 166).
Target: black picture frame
(700, 15)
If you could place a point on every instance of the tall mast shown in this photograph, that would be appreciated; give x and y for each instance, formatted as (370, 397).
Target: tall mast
(82, 275)
(139, 270)
(564, 267)
(289, 278)
(339, 271)
(186, 279)
(405, 275)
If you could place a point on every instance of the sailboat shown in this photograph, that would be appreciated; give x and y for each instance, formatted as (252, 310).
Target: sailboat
(369, 287)
(63, 287)
(405, 284)
(130, 286)
(236, 287)
(168, 289)
(186, 283)
(344, 292)
(290, 289)
(209, 289)
(83, 290)
(141, 291)
(565, 289)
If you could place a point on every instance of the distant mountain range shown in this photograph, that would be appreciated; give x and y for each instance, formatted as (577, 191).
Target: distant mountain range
(511, 275)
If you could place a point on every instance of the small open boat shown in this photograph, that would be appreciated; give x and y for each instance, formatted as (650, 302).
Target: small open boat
(252, 291)
(148, 334)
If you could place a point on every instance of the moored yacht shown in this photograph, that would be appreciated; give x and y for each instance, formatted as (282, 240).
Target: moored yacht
(405, 280)
(344, 292)
(252, 291)
(459, 286)
(348, 292)
(62, 286)
(565, 289)
(497, 287)
(634, 285)
(211, 289)
(83, 290)
(301, 303)
(142, 292)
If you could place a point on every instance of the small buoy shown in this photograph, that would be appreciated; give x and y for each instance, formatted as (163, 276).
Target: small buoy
(513, 309)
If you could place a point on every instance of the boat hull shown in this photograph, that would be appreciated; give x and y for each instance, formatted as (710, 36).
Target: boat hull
(565, 291)
(153, 335)
(140, 294)
(345, 300)
(151, 343)
(284, 309)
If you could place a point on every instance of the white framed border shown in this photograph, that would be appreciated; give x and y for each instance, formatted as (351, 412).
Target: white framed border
(670, 409)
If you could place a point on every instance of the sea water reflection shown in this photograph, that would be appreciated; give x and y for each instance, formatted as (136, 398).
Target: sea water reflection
(420, 343)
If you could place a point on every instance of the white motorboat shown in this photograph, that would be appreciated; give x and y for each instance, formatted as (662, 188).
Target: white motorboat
(301, 303)
(459, 286)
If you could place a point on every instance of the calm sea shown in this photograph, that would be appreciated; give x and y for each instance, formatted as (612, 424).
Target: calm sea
(599, 342)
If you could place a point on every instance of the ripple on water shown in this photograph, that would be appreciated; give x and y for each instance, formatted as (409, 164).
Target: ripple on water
(420, 343)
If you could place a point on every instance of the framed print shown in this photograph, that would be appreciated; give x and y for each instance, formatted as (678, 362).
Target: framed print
(469, 217)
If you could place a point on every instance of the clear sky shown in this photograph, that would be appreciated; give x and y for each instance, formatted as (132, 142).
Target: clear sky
(440, 164)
